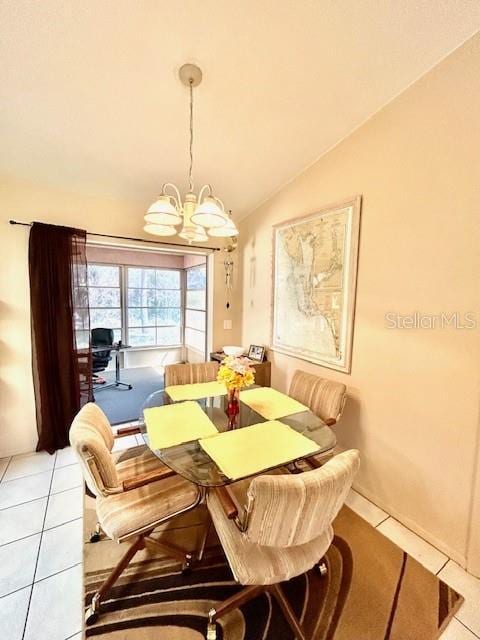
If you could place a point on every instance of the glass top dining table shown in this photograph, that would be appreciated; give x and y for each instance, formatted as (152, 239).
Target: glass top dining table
(193, 463)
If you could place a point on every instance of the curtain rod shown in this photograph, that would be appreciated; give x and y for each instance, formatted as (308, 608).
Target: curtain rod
(104, 235)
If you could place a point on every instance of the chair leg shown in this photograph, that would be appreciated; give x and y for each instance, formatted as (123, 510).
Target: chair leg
(203, 544)
(287, 610)
(96, 533)
(185, 557)
(92, 612)
(233, 602)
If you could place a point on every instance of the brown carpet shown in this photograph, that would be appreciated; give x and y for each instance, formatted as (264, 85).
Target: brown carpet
(373, 591)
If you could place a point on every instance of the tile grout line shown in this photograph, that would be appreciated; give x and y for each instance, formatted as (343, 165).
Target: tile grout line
(30, 584)
(443, 566)
(30, 535)
(465, 626)
(384, 520)
(56, 493)
(5, 470)
(20, 504)
(29, 475)
(62, 523)
(62, 466)
(434, 573)
(38, 553)
(54, 468)
(56, 573)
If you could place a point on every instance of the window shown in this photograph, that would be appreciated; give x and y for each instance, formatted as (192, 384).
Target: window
(145, 306)
(104, 298)
(154, 307)
(195, 307)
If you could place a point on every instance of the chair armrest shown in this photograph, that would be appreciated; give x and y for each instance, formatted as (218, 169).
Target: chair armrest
(228, 505)
(147, 478)
(313, 462)
(127, 431)
(330, 421)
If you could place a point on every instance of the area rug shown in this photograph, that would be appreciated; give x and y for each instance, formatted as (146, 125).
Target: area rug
(124, 405)
(373, 591)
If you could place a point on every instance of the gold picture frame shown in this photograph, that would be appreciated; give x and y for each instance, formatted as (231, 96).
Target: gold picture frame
(314, 277)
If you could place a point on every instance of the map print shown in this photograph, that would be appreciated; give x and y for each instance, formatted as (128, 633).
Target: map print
(311, 289)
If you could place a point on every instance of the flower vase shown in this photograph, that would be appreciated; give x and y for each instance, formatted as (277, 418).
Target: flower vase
(233, 407)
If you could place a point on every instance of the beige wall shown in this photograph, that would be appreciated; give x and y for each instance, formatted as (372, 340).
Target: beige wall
(28, 201)
(109, 255)
(221, 335)
(413, 394)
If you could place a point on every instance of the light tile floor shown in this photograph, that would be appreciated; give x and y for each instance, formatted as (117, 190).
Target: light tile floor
(41, 550)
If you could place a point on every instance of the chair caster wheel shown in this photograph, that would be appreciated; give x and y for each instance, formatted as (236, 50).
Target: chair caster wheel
(95, 536)
(187, 565)
(91, 616)
(323, 569)
(211, 631)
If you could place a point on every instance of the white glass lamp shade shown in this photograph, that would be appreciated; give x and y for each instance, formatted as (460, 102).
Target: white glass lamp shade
(160, 229)
(227, 231)
(163, 212)
(209, 214)
(193, 234)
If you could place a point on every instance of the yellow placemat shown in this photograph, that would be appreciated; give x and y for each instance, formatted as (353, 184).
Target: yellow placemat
(244, 452)
(271, 404)
(176, 423)
(196, 391)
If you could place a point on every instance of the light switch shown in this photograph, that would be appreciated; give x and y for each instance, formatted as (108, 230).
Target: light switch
(227, 324)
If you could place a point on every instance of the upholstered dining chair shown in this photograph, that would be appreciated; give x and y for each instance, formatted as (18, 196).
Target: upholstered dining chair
(130, 505)
(190, 373)
(277, 527)
(131, 462)
(325, 398)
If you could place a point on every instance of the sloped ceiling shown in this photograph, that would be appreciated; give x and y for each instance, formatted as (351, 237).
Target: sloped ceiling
(90, 98)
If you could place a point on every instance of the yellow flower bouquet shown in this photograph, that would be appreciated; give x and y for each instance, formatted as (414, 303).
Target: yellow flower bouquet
(236, 373)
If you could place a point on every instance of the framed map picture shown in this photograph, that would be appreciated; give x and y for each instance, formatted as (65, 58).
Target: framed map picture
(314, 283)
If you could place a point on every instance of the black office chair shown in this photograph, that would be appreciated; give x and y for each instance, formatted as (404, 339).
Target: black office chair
(100, 359)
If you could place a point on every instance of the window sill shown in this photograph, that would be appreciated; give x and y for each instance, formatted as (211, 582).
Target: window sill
(155, 348)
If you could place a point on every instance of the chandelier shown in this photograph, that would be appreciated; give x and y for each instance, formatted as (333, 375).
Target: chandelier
(198, 216)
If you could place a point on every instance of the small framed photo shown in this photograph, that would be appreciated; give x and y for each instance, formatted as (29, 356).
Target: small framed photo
(256, 353)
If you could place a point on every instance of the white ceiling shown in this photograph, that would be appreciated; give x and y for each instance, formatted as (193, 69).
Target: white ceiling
(90, 99)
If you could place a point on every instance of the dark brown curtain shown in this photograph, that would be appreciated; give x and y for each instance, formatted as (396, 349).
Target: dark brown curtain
(60, 322)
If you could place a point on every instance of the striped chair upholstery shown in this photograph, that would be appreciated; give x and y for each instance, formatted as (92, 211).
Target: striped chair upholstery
(92, 440)
(190, 373)
(104, 471)
(135, 461)
(127, 506)
(287, 522)
(326, 398)
(123, 513)
(139, 510)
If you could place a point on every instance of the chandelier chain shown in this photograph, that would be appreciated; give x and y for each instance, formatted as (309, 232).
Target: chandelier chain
(198, 213)
(190, 172)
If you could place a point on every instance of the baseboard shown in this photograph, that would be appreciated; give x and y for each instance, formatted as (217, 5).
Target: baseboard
(16, 452)
(413, 526)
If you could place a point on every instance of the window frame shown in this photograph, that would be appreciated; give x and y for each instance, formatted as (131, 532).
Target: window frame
(126, 308)
(120, 286)
(204, 310)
